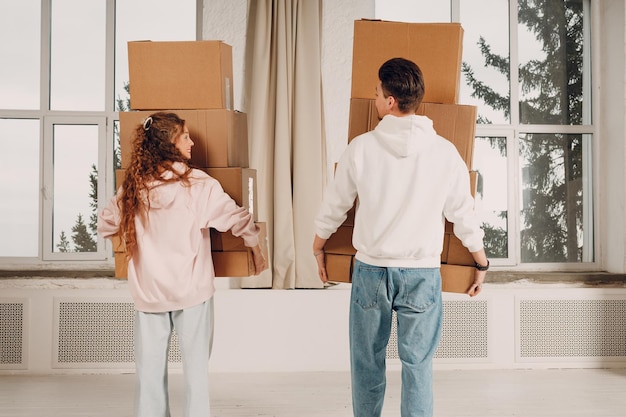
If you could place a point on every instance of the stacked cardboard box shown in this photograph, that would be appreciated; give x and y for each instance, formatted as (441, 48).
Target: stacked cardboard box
(194, 80)
(437, 49)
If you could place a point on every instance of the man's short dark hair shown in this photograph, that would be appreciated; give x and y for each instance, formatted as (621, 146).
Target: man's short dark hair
(402, 79)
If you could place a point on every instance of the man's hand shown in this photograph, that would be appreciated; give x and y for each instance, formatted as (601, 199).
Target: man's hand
(320, 257)
(479, 279)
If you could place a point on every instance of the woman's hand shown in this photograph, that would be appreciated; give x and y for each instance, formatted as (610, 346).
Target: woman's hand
(260, 263)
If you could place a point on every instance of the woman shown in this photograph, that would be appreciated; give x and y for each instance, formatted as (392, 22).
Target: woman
(163, 212)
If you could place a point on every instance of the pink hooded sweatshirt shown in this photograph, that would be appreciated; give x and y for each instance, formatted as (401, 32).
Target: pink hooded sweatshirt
(173, 269)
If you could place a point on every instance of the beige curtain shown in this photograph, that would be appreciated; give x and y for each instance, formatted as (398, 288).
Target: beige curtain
(284, 108)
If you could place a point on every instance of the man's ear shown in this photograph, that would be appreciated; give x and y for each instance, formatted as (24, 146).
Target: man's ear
(392, 103)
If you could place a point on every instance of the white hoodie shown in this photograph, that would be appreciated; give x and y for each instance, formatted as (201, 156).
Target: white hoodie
(173, 269)
(408, 181)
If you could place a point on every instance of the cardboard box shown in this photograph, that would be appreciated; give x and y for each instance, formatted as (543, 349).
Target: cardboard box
(435, 47)
(457, 254)
(180, 75)
(121, 265)
(118, 245)
(238, 263)
(220, 136)
(455, 122)
(233, 259)
(120, 174)
(225, 264)
(339, 267)
(449, 227)
(233, 264)
(340, 242)
(456, 278)
(240, 184)
(227, 242)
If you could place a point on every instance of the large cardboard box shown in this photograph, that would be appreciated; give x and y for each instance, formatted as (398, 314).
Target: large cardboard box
(118, 245)
(454, 278)
(220, 136)
(227, 242)
(340, 242)
(435, 47)
(339, 267)
(457, 278)
(121, 265)
(455, 122)
(240, 184)
(237, 261)
(180, 75)
(453, 250)
(233, 264)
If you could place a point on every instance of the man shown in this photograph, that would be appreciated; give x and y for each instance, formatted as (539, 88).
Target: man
(407, 179)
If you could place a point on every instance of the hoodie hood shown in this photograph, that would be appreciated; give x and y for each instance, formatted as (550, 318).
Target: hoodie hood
(162, 194)
(404, 136)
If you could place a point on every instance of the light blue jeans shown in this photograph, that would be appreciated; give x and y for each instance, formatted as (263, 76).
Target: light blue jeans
(194, 328)
(415, 295)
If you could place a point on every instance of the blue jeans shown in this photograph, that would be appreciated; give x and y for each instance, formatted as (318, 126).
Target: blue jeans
(415, 295)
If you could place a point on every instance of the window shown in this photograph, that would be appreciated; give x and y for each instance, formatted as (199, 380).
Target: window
(62, 83)
(528, 72)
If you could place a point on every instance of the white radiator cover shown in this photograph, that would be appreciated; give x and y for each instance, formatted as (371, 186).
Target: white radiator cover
(97, 334)
(13, 340)
(74, 329)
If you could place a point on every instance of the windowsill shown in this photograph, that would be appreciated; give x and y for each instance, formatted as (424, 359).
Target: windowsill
(587, 279)
(106, 278)
(60, 273)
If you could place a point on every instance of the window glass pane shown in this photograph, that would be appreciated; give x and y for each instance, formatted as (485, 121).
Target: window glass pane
(490, 163)
(19, 205)
(486, 63)
(20, 31)
(77, 55)
(117, 152)
(413, 10)
(553, 210)
(550, 62)
(148, 20)
(75, 188)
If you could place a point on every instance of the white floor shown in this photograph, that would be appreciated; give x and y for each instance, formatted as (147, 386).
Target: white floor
(476, 393)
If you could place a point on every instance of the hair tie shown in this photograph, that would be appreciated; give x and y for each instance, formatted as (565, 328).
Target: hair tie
(147, 123)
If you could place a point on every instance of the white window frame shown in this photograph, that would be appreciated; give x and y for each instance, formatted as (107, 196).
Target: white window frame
(47, 259)
(46, 232)
(512, 186)
(514, 129)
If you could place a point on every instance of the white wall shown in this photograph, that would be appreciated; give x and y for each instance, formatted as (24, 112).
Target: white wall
(611, 98)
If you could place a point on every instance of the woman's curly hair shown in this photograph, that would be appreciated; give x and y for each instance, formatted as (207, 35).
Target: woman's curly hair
(154, 153)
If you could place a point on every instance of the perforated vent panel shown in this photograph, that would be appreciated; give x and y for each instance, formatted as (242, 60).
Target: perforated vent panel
(572, 328)
(12, 323)
(98, 333)
(464, 333)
